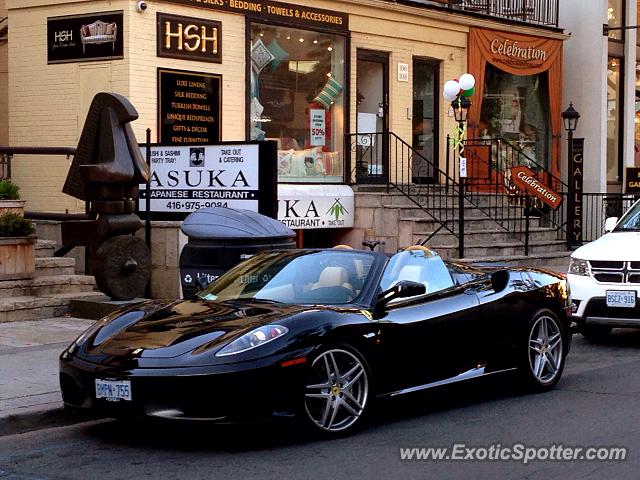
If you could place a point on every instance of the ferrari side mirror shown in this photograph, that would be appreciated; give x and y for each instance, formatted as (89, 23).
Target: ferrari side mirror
(402, 289)
(499, 280)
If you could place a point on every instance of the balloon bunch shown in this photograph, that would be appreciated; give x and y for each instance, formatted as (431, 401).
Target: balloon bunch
(454, 90)
(465, 86)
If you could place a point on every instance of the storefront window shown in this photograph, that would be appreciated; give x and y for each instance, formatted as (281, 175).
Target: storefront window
(297, 98)
(516, 108)
(613, 118)
(615, 16)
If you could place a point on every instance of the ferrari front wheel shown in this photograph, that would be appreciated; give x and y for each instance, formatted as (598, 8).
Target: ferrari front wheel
(544, 361)
(337, 390)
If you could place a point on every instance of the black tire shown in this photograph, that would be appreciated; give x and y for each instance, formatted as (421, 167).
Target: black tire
(595, 333)
(543, 355)
(336, 405)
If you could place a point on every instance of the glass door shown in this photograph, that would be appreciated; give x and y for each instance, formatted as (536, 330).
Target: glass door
(372, 106)
(424, 139)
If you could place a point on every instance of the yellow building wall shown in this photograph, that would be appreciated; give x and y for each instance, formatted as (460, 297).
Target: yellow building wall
(4, 79)
(48, 103)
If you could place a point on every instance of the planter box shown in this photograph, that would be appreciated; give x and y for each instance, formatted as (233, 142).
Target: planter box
(14, 206)
(17, 258)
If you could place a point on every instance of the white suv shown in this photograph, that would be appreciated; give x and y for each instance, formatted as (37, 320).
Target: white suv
(604, 277)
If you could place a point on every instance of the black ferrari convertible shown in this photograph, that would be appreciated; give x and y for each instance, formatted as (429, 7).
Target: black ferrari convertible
(320, 334)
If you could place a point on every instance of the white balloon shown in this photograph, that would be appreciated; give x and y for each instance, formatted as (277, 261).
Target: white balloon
(451, 88)
(467, 81)
(449, 98)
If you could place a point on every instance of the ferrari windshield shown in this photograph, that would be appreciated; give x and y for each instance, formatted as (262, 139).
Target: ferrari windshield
(630, 220)
(302, 277)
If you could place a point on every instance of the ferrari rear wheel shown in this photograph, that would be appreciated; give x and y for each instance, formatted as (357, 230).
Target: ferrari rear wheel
(545, 351)
(337, 390)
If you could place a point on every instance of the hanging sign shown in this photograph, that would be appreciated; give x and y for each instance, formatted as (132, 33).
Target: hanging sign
(525, 180)
(318, 127)
(575, 200)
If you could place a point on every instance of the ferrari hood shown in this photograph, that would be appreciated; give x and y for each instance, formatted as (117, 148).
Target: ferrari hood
(152, 331)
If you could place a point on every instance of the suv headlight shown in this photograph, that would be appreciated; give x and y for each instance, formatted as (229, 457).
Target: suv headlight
(253, 339)
(578, 267)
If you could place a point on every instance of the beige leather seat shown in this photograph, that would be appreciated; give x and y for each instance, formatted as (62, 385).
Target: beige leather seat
(333, 277)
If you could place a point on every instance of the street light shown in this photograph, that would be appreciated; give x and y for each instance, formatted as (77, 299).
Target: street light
(570, 119)
(461, 107)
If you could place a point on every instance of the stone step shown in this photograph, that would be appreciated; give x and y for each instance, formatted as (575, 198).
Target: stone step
(505, 249)
(45, 248)
(47, 285)
(483, 236)
(18, 309)
(558, 261)
(472, 222)
(98, 305)
(50, 266)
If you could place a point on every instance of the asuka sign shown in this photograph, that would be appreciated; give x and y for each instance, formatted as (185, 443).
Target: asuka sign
(315, 206)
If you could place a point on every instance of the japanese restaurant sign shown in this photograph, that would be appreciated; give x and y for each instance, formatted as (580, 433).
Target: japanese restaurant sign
(189, 107)
(299, 15)
(526, 181)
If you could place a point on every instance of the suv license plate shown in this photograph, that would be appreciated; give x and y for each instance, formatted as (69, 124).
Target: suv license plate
(621, 298)
(113, 390)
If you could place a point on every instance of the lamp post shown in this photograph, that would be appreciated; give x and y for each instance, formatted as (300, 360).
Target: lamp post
(461, 107)
(570, 119)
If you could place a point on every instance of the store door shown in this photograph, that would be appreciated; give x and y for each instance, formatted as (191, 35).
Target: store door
(424, 139)
(372, 119)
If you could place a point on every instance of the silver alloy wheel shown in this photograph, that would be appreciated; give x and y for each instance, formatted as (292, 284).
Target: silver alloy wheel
(545, 349)
(338, 390)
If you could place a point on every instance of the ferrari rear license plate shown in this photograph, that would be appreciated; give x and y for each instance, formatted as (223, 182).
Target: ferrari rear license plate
(113, 390)
(621, 298)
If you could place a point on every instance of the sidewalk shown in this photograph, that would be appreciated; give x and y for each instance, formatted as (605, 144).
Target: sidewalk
(29, 388)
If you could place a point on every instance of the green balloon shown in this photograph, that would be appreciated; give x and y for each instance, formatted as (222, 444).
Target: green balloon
(468, 93)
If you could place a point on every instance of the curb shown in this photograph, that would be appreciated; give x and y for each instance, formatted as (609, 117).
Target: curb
(43, 418)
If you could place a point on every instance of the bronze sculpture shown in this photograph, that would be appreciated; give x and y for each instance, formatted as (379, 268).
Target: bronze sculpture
(106, 172)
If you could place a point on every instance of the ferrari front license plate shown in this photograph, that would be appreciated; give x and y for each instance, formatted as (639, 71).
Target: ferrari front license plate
(621, 298)
(113, 390)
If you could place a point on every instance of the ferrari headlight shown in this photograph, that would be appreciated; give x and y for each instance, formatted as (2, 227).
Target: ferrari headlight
(84, 336)
(578, 267)
(253, 339)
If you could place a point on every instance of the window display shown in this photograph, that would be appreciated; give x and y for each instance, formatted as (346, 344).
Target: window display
(516, 108)
(297, 98)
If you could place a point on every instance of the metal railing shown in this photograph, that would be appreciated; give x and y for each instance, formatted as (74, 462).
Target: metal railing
(489, 188)
(413, 175)
(536, 12)
(7, 153)
(597, 207)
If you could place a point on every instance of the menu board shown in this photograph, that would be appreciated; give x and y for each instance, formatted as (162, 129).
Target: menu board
(189, 107)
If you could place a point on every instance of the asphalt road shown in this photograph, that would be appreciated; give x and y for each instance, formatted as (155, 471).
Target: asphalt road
(595, 404)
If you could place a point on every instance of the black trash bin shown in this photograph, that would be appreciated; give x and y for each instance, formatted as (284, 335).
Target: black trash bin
(220, 238)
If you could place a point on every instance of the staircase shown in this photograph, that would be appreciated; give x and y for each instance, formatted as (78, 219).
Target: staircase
(49, 293)
(486, 241)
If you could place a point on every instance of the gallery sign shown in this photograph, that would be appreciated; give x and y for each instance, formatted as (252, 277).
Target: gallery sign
(189, 38)
(265, 10)
(526, 181)
(84, 38)
(189, 107)
(316, 206)
(187, 178)
(576, 188)
(632, 182)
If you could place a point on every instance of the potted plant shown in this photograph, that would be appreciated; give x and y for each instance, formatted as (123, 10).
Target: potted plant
(10, 198)
(17, 247)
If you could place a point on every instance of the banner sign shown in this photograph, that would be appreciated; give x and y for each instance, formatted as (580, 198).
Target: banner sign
(525, 180)
(84, 38)
(189, 107)
(316, 206)
(265, 10)
(632, 182)
(318, 127)
(189, 38)
(577, 184)
(185, 179)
